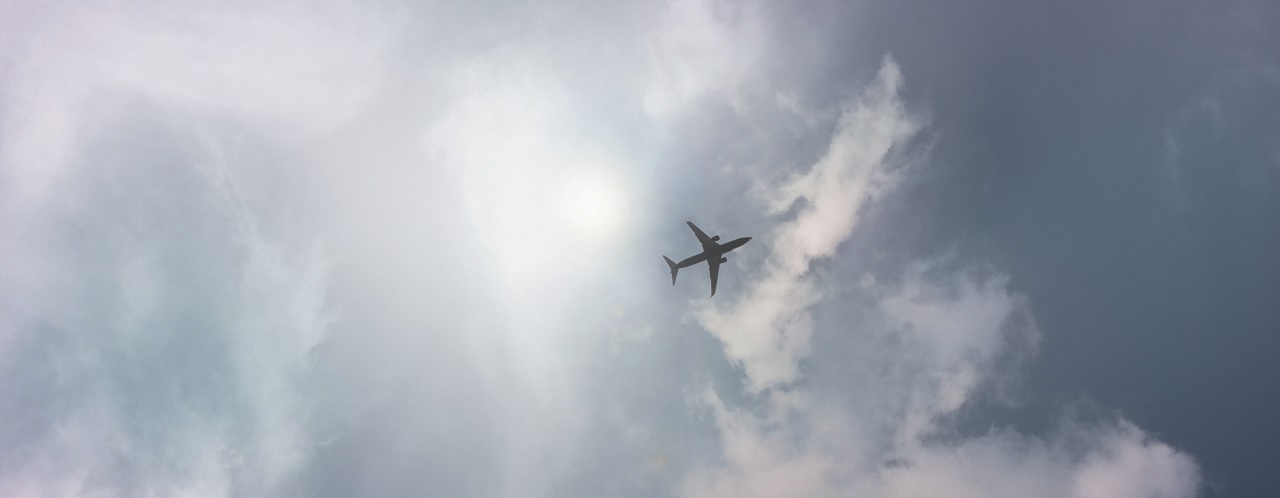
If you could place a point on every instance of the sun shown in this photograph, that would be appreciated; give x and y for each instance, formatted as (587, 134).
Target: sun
(592, 204)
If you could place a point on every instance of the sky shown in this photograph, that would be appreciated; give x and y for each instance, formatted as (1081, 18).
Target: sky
(413, 248)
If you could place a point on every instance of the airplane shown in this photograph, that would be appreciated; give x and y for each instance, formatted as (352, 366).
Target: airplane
(712, 253)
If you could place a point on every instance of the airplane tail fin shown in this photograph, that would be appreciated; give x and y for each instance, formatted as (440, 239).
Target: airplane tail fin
(674, 269)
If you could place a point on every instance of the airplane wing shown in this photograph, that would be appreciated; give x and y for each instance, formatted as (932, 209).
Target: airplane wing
(714, 265)
(706, 241)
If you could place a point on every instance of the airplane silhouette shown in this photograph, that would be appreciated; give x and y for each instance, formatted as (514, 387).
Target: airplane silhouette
(712, 253)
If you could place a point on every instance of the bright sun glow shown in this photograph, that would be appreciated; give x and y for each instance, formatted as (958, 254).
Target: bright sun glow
(592, 204)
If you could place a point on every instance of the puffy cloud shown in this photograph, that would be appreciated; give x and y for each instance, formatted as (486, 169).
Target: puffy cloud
(1075, 462)
(891, 444)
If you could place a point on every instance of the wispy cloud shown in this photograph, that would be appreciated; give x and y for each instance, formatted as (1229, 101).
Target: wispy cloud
(258, 64)
(768, 331)
(926, 345)
(159, 330)
(164, 359)
(702, 47)
(170, 326)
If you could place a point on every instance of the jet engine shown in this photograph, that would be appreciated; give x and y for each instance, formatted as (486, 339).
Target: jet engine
(716, 238)
(724, 260)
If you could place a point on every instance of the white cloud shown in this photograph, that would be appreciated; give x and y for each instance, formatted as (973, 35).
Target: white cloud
(509, 140)
(259, 64)
(702, 47)
(888, 444)
(925, 348)
(161, 319)
(768, 330)
(955, 327)
(159, 330)
(173, 357)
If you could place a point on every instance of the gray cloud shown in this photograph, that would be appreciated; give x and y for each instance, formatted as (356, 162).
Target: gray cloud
(161, 328)
(930, 341)
(161, 337)
(702, 47)
(769, 330)
(344, 251)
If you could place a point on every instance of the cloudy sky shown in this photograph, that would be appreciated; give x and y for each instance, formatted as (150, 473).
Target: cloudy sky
(400, 248)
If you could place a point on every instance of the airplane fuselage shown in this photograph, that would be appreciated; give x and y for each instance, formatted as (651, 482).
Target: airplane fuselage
(712, 253)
